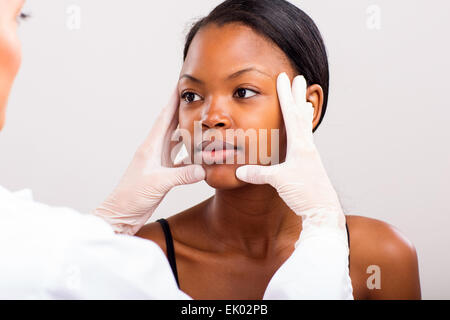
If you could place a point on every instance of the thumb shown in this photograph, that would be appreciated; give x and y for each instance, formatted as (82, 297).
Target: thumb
(188, 174)
(254, 174)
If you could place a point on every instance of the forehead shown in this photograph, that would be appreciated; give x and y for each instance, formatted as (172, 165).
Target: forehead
(220, 50)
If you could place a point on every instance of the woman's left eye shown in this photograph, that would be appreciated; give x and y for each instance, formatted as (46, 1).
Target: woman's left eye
(245, 93)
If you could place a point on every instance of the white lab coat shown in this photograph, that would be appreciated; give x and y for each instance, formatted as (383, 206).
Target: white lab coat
(57, 253)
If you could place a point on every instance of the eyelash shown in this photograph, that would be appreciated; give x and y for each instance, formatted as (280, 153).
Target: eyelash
(23, 16)
(183, 95)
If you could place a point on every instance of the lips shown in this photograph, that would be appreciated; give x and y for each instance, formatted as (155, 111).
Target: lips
(217, 145)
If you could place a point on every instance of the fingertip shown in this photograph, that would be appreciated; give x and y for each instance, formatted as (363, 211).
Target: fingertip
(199, 173)
(283, 78)
(299, 89)
(299, 86)
(282, 75)
(241, 173)
(299, 81)
(284, 90)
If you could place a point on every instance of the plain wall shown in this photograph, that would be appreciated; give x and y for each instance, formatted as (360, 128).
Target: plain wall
(86, 98)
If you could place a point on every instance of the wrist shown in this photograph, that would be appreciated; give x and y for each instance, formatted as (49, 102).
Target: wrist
(324, 223)
(119, 215)
(324, 217)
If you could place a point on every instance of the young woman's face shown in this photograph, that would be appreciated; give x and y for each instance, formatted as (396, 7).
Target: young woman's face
(214, 92)
(10, 53)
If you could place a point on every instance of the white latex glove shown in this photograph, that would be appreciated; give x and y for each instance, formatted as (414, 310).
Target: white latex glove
(149, 177)
(301, 181)
(318, 268)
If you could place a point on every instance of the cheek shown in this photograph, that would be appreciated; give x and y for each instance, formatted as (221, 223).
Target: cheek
(10, 54)
(267, 121)
(263, 113)
(186, 120)
(183, 118)
(10, 57)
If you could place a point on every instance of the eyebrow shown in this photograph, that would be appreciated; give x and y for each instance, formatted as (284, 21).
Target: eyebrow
(231, 76)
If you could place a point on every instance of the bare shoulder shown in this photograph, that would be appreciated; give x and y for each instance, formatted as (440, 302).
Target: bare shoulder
(378, 245)
(153, 231)
(378, 234)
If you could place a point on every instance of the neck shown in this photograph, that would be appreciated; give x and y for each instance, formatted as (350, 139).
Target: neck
(252, 220)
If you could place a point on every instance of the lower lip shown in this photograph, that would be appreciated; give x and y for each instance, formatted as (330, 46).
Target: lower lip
(218, 156)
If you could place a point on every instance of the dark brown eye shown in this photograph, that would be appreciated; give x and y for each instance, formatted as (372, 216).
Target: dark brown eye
(189, 97)
(242, 93)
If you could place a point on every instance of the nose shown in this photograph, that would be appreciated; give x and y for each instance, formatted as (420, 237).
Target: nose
(216, 116)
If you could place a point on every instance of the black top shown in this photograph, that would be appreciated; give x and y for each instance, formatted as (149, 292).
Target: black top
(171, 250)
(169, 247)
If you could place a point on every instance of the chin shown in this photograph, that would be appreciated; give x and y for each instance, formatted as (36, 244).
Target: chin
(222, 176)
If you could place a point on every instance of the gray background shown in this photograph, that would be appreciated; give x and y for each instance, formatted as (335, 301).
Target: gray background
(85, 99)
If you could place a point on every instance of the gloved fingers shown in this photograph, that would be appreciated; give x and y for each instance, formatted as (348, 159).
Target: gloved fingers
(186, 175)
(299, 88)
(287, 103)
(256, 174)
(167, 119)
(297, 115)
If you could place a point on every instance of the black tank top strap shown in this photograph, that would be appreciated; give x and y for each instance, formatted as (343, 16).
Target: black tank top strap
(170, 248)
(348, 240)
(348, 235)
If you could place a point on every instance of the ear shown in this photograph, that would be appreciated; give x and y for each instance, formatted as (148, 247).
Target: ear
(314, 94)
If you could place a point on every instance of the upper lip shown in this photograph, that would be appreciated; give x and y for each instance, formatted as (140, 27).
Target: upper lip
(217, 145)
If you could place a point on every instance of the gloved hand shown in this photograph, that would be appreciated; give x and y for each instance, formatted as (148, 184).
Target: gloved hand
(149, 177)
(301, 180)
(318, 268)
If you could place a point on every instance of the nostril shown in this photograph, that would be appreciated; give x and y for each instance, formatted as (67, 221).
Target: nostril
(205, 125)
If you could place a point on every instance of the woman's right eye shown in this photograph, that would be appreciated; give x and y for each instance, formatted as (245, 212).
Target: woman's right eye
(189, 97)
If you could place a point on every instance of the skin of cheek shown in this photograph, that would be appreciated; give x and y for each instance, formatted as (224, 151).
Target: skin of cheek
(262, 113)
(10, 59)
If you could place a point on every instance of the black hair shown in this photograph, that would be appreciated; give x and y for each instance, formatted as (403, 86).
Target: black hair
(291, 29)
